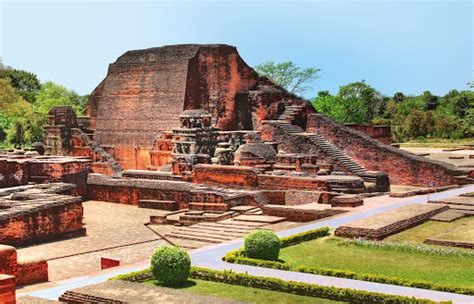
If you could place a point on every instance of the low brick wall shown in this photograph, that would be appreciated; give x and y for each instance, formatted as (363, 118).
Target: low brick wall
(278, 182)
(230, 176)
(403, 167)
(379, 232)
(26, 271)
(46, 223)
(299, 215)
(7, 289)
(31, 272)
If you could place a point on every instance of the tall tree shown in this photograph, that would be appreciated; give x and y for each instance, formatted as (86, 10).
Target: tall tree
(362, 101)
(431, 101)
(288, 75)
(25, 83)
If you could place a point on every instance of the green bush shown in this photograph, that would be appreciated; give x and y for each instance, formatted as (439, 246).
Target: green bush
(304, 236)
(171, 265)
(262, 244)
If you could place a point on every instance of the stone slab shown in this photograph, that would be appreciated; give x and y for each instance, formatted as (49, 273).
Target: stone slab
(259, 218)
(447, 216)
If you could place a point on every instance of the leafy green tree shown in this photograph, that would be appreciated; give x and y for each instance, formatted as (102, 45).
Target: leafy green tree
(431, 102)
(362, 102)
(52, 94)
(25, 83)
(398, 97)
(288, 75)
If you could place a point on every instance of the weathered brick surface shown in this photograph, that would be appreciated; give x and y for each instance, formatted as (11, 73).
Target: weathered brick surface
(403, 167)
(7, 289)
(26, 272)
(385, 224)
(380, 133)
(32, 272)
(40, 214)
(299, 215)
(145, 91)
(8, 260)
(231, 176)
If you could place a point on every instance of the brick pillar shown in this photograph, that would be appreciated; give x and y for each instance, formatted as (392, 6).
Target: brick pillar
(7, 289)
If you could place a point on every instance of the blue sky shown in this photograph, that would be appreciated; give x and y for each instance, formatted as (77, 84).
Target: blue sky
(394, 46)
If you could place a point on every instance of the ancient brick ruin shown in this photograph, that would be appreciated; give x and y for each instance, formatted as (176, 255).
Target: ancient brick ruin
(193, 132)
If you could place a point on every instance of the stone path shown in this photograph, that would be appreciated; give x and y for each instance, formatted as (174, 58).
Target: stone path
(211, 257)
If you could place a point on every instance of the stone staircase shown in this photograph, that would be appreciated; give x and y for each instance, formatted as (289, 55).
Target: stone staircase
(285, 123)
(218, 232)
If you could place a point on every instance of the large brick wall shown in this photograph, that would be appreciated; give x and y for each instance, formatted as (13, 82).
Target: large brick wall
(402, 167)
(145, 91)
(13, 173)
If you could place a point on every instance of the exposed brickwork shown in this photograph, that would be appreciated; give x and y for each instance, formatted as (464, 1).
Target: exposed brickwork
(383, 225)
(381, 133)
(19, 170)
(299, 215)
(26, 271)
(32, 272)
(403, 167)
(7, 289)
(33, 217)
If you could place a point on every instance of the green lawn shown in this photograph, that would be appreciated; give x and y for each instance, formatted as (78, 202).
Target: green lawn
(245, 294)
(458, 230)
(330, 253)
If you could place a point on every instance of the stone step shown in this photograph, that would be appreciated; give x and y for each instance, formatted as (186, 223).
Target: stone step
(158, 204)
(233, 225)
(208, 206)
(202, 238)
(212, 231)
(226, 228)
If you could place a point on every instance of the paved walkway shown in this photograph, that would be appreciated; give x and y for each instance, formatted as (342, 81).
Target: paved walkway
(211, 257)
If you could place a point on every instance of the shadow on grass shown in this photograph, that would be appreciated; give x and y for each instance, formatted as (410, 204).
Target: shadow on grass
(184, 285)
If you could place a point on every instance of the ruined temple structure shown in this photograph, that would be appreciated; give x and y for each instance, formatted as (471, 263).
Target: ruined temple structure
(132, 112)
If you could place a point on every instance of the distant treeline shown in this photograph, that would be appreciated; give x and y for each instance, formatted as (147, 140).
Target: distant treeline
(411, 117)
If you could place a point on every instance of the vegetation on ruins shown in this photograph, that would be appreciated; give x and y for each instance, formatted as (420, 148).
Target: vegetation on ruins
(265, 289)
(262, 244)
(171, 265)
(25, 103)
(411, 117)
(287, 74)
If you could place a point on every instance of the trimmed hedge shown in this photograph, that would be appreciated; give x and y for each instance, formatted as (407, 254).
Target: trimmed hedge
(274, 284)
(237, 257)
(385, 279)
(262, 244)
(302, 289)
(170, 265)
(304, 236)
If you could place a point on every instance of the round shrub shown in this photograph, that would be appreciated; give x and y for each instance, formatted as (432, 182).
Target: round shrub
(262, 244)
(170, 265)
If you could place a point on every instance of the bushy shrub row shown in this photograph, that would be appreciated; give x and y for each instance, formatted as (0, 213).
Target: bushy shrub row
(304, 236)
(302, 289)
(237, 257)
(385, 279)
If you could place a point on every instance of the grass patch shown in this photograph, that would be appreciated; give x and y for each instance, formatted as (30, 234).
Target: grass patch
(436, 143)
(334, 253)
(458, 230)
(243, 293)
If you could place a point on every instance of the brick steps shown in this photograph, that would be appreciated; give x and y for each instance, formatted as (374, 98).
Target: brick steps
(196, 238)
(226, 229)
(208, 207)
(206, 231)
(158, 204)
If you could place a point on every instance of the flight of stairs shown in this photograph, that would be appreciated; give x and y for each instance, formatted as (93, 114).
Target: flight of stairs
(285, 122)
